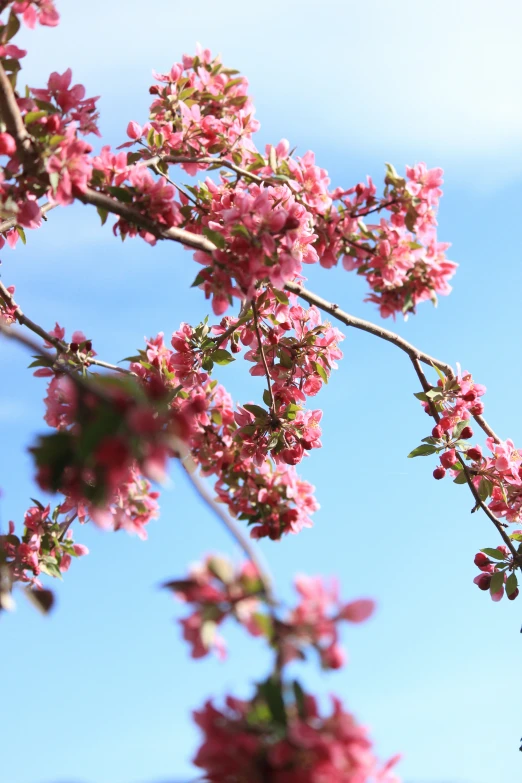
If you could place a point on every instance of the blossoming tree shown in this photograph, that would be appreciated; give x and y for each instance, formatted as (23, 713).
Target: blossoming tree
(253, 218)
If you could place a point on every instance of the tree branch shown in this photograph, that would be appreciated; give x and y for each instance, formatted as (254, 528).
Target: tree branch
(12, 222)
(60, 346)
(378, 331)
(263, 357)
(133, 216)
(234, 531)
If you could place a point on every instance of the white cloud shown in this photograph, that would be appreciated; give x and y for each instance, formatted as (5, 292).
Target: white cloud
(433, 79)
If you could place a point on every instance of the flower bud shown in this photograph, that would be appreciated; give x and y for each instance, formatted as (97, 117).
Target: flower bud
(483, 581)
(437, 432)
(439, 473)
(466, 433)
(7, 144)
(514, 594)
(474, 453)
(481, 560)
(449, 458)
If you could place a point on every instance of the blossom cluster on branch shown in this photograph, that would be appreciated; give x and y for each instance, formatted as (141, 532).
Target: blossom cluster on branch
(253, 223)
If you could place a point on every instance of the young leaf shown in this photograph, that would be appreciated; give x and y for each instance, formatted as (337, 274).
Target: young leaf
(221, 356)
(490, 552)
(422, 451)
(215, 237)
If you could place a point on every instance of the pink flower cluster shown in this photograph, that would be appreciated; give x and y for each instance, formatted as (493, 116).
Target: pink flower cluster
(46, 546)
(498, 569)
(109, 436)
(315, 620)
(244, 742)
(218, 591)
(278, 212)
(33, 11)
(496, 478)
(250, 450)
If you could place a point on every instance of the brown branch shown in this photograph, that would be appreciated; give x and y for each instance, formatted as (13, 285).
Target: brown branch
(384, 334)
(508, 542)
(367, 326)
(479, 502)
(133, 216)
(60, 346)
(235, 532)
(262, 352)
(10, 114)
(12, 222)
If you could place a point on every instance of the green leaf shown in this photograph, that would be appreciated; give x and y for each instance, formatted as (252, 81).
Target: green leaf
(199, 279)
(457, 429)
(494, 553)
(121, 194)
(216, 417)
(51, 569)
(266, 398)
(497, 582)
(215, 237)
(461, 478)
(321, 371)
(422, 451)
(421, 396)
(437, 370)
(485, 489)
(208, 633)
(32, 116)
(54, 179)
(264, 622)
(272, 692)
(281, 296)
(516, 536)
(299, 699)
(511, 584)
(257, 410)
(221, 356)
(12, 27)
(221, 568)
(103, 213)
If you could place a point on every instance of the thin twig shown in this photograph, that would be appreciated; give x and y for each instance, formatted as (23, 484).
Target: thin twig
(134, 217)
(262, 352)
(508, 542)
(235, 532)
(219, 339)
(60, 346)
(5, 225)
(479, 502)
(384, 334)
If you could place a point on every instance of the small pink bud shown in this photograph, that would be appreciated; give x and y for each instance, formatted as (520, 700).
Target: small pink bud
(474, 453)
(134, 130)
(483, 581)
(7, 144)
(437, 432)
(449, 458)
(470, 396)
(439, 473)
(481, 560)
(466, 433)
(477, 408)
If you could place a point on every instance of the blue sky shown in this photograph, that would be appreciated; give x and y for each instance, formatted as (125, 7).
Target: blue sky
(101, 691)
